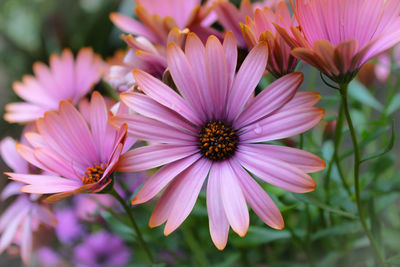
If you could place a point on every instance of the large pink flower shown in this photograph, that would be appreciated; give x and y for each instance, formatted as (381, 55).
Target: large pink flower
(339, 36)
(214, 128)
(64, 79)
(26, 213)
(261, 28)
(158, 17)
(83, 153)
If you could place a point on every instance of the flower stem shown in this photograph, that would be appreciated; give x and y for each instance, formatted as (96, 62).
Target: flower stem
(128, 211)
(374, 245)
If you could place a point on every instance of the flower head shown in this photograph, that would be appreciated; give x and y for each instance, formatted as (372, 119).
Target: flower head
(159, 17)
(23, 217)
(339, 36)
(79, 155)
(64, 79)
(213, 128)
(280, 61)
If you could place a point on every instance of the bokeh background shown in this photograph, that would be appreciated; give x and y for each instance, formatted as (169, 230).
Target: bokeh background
(30, 30)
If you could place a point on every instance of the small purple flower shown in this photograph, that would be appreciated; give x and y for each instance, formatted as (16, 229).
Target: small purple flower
(101, 249)
(68, 230)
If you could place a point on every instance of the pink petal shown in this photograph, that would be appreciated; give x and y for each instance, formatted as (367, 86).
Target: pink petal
(151, 130)
(282, 124)
(231, 55)
(150, 108)
(233, 199)
(98, 122)
(22, 112)
(148, 157)
(26, 246)
(218, 223)
(276, 172)
(302, 99)
(299, 158)
(258, 199)
(46, 216)
(247, 78)
(55, 163)
(11, 157)
(161, 178)
(9, 232)
(188, 190)
(270, 99)
(165, 95)
(12, 188)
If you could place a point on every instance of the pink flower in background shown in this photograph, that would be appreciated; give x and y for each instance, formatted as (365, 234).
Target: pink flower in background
(80, 155)
(23, 216)
(384, 63)
(64, 79)
(261, 28)
(158, 17)
(214, 128)
(101, 249)
(230, 16)
(339, 36)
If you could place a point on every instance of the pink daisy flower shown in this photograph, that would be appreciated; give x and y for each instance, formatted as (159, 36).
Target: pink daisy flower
(23, 216)
(214, 128)
(64, 79)
(339, 36)
(80, 155)
(280, 61)
(158, 17)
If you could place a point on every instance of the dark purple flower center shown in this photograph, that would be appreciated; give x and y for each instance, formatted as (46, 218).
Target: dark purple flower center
(93, 174)
(217, 140)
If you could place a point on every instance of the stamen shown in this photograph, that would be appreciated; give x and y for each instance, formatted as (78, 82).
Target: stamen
(93, 174)
(217, 140)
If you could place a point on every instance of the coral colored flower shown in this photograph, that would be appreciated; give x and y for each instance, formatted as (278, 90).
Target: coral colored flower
(80, 155)
(230, 16)
(339, 36)
(280, 61)
(25, 214)
(101, 249)
(158, 17)
(64, 79)
(214, 128)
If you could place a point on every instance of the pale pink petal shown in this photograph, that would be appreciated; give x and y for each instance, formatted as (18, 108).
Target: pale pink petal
(49, 188)
(151, 130)
(22, 112)
(161, 178)
(29, 155)
(301, 159)
(26, 246)
(98, 122)
(218, 223)
(36, 140)
(13, 211)
(246, 79)
(282, 124)
(55, 163)
(148, 157)
(164, 95)
(276, 172)
(270, 99)
(187, 192)
(45, 216)
(9, 232)
(12, 188)
(11, 157)
(231, 54)
(258, 199)
(302, 99)
(233, 199)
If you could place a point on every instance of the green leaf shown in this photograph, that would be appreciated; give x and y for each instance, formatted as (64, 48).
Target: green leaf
(260, 235)
(361, 94)
(394, 260)
(383, 151)
(313, 201)
(393, 105)
(343, 229)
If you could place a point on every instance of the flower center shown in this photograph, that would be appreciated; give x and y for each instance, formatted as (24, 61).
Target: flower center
(93, 174)
(217, 140)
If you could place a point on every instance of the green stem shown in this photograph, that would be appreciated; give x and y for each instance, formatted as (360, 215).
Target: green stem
(374, 245)
(134, 224)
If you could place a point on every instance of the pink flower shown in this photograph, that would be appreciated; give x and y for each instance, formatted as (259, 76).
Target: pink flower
(339, 36)
(280, 61)
(158, 17)
(384, 63)
(23, 216)
(230, 16)
(64, 79)
(214, 128)
(83, 153)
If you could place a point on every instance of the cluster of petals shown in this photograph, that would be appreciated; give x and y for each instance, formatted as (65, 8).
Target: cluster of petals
(22, 218)
(158, 17)
(65, 79)
(261, 28)
(78, 155)
(339, 36)
(210, 90)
